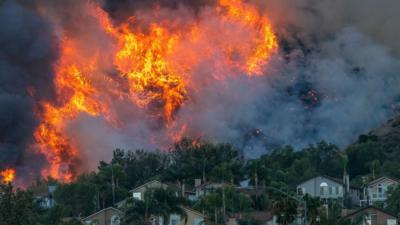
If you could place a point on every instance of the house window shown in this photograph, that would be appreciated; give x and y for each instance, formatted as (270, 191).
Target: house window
(380, 191)
(323, 187)
(337, 190)
(330, 190)
(340, 190)
(175, 220)
(137, 195)
(301, 191)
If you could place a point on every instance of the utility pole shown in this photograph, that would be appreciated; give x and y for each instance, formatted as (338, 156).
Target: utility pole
(113, 183)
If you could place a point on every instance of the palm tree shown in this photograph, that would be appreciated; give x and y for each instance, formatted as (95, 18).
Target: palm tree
(163, 203)
(158, 202)
(313, 208)
(285, 209)
(134, 213)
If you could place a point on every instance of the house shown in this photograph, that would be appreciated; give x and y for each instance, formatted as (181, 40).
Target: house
(43, 194)
(329, 189)
(138, 192)
(191, 196)
(208, 187)
(260, 217)
(376, 190)
(371, 216)
(108, 216)
(193, 217)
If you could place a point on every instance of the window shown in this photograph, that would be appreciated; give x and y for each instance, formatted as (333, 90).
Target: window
(301, 191)
(137, 195)
(175, 220)
(340, 190)
(337, 190)
(323, 188)
(330, 190)
(380, 191)
(380, 188)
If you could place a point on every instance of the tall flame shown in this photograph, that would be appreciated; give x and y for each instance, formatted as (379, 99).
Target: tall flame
(146, 60)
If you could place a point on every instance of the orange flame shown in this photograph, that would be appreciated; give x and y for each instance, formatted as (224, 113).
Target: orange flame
(8, 175)
(156, 64)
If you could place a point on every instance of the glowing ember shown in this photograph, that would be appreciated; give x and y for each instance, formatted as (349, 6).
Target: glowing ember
(156, 65)
(7, 175)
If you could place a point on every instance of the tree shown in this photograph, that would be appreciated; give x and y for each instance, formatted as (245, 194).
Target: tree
(285, 210)
(361, 155)
(163, 203)
(140, 165)
(191, 159)
(157, 202)
(313, 209)
(223, 201)
(50, 216)
(110, 183)
(16, 206)
(393, 200)
(78, 198)
(134, 213)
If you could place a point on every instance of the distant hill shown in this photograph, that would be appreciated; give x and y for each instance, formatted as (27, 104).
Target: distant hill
(388, 135)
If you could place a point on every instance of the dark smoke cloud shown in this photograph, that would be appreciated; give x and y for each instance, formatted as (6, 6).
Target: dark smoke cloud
(122, 9)
(27, 51)
(324, 18)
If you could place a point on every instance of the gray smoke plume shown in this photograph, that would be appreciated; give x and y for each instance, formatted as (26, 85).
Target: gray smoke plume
(27, 50)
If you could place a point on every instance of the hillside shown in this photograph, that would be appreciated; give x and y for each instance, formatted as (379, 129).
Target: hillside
(388, 135)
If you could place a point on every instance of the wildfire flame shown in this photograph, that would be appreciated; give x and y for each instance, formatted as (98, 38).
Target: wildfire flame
(8, 175)
(146, 61)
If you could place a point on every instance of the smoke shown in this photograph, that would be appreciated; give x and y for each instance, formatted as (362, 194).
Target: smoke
(27, 51)
(322, 19)
(335, 76)
(332, 90)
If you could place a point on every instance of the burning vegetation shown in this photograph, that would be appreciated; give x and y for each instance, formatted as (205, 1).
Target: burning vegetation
(153, 69)
(7, 175)
(80, 78)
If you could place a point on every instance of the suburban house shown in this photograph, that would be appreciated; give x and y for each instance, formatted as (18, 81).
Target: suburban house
(43, 194)
(208, 187)
(193, 217)
(138, 192)
(376, 190)
(371, 216)
(329, 189)
(108, 216)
